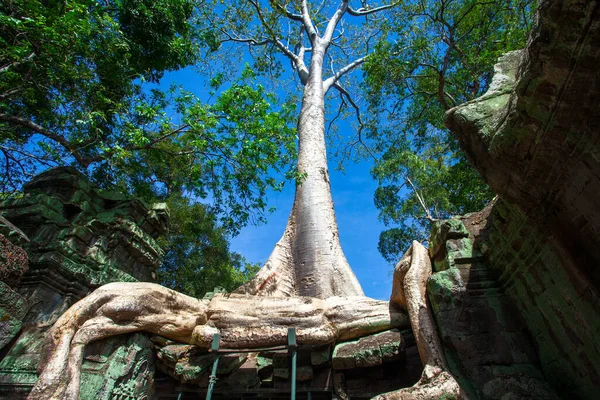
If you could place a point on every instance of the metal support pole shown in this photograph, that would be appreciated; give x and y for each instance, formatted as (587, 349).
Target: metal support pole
(292, 346)
(212, 380)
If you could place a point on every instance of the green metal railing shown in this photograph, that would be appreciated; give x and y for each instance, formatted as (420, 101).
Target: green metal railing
(294, 350)
(292, 346)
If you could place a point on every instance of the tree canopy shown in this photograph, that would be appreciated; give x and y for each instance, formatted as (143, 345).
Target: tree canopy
(437, 55)
(79, 86)
(73, 76)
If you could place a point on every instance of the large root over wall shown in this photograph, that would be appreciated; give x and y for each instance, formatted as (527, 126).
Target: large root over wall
(409, 293)
(246, 321)
(243, 322)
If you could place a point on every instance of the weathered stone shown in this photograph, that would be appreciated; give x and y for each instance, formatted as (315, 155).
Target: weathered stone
(534, 138)
(120, 367)
(264, 367)
(368, 351)
(80, 237)
(320, 356)
(304, 373)
(9, 327)
(13, 308)
(243, 378)
(281, 373)
(485, 340)
(13, 262)
(441, 231)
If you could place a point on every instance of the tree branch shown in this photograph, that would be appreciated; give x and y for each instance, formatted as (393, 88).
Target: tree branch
(308, 24)
(286, 12)
(335, 19)
(16, 63)
(25, 123)
(298, 62)
(359, 140)
(335, 77)
(419, 198)
(366, 11)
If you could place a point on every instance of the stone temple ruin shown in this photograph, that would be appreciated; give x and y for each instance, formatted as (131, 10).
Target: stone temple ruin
(513, 293)
(79, 238)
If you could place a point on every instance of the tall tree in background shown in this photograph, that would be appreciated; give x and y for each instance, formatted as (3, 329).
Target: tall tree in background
(198, 257)
(441, 54)
(323, 44)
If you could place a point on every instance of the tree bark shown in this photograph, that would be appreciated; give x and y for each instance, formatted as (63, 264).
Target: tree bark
(308, 260)
(243, 322)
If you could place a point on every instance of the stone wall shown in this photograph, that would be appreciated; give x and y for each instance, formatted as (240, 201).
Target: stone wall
(13, 265)
(358, 369)
(534, 136)
(77, 237)
(512, 314)
(558, 304)
(486, 340)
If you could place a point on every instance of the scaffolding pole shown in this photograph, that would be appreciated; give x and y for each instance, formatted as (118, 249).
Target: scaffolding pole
(213, 376)
(293, 349)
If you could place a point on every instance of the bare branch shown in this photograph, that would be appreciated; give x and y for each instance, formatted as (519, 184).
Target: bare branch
(366, 11)
(286, 12)
(335, 77)
(25, 123)
(42, 160)
(335, 19)
(344, 94)
(485, 3)
(304, 17)
(308, 24)
(252, 41)
(419, 198)
(17, 63)
(298, 62)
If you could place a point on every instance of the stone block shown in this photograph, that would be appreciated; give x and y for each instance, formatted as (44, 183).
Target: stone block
(13, 262)
(320, 356)
(369, 351)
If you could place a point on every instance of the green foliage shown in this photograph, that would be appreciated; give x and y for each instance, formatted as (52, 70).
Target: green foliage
(78, 86)
(438, 54)
(70, 69)
(227, 151)
(198, 257)
(73, 78)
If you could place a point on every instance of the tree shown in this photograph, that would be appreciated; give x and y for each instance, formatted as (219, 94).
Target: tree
(441, 54)
(72, 82)
(308, 260)
(69, 69)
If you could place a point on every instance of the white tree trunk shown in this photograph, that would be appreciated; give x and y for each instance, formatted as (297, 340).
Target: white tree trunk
(308, 260)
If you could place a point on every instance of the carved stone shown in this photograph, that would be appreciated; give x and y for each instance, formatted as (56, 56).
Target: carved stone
(534, 136)
(77, 237)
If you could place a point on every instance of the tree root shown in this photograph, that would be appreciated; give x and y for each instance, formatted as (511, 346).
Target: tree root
(409, 293)
(243, 322)
(277, 277)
